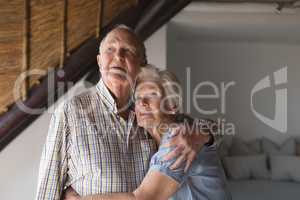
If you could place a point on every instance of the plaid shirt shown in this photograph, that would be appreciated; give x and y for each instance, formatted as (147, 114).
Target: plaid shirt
(91, 148)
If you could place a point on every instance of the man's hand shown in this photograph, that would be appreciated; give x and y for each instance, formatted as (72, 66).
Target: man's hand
(188, 143)
(71, 194)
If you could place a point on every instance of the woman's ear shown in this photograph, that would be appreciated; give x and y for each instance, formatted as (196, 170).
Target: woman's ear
(173, 109)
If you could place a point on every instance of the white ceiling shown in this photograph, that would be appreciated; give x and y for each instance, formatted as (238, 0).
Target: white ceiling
(238, 21)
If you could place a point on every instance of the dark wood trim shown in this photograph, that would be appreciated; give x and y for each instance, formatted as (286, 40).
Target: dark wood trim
(26, 48)
(157, 14)
(248, 1)
(100, 18)
(64, 33)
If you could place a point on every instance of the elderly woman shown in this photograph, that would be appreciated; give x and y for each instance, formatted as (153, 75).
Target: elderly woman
(157, 102)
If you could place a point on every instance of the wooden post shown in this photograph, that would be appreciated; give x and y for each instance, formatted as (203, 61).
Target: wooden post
(100, 18)
(26, 48)
(64, 33)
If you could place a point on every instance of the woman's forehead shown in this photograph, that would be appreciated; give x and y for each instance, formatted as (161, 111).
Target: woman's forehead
(147, 87)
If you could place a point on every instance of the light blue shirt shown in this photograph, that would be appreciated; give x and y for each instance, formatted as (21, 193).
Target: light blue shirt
(204, 180)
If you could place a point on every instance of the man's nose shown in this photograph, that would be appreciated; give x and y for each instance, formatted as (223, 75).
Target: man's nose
(120, 54)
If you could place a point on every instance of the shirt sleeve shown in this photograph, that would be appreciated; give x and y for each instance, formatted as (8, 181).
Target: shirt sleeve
(158, 164)
(206, 176)
(53, 164)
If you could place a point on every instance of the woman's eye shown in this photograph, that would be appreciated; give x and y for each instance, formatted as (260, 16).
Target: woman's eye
(137, 99)
(154, 96)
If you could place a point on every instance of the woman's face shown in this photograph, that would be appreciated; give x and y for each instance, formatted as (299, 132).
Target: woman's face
(148, 98)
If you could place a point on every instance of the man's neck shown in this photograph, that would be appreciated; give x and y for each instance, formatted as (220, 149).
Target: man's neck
(121, 94)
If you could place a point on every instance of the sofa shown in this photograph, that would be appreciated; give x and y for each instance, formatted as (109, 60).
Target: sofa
(261, 169)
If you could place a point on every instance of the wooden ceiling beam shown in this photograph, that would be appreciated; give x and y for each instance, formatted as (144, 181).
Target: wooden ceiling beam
(157, 14)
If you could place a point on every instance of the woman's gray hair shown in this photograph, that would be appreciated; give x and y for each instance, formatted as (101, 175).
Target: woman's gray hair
(168, 83)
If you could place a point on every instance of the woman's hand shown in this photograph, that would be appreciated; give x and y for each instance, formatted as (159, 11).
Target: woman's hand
(188, 143)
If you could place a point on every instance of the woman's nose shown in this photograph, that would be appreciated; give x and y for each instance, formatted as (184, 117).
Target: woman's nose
(143, 102)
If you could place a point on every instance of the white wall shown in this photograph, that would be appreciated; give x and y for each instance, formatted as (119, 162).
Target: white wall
(20, 159)
(245, 63)
(156, 47)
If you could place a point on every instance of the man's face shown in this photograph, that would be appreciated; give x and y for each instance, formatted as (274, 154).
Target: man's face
(119, 59)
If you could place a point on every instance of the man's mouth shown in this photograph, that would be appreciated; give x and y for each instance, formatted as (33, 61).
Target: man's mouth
(118, 69)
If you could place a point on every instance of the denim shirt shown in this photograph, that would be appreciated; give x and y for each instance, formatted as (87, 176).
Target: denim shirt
(204, 180)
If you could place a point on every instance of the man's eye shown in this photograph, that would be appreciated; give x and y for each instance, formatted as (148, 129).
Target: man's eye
(129, 51)
(109, 49)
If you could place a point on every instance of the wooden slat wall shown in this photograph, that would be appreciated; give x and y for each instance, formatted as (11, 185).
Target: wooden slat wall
(82, 21)
(57, 27)
(11, 48)
(46, 33)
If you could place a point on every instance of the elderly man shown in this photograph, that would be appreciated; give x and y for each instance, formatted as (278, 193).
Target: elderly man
(93, 144)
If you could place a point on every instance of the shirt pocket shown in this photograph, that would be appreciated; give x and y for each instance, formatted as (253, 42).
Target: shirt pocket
(88, 148)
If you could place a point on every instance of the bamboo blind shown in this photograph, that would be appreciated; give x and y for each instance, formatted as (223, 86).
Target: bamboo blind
(82, 21)
(46, 34)
(11, 48)
(38, 34)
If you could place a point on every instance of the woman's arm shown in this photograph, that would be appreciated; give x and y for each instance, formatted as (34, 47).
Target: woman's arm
(155, 185)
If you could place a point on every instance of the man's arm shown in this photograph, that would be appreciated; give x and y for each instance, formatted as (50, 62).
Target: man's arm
(189, 139)
(154, 186)
(53, 165)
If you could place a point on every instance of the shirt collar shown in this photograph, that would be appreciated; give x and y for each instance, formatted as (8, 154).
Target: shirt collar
(108, 99)
(106, 96)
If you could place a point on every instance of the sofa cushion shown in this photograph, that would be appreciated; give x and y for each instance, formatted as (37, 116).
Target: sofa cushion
(244, 148)
(286, 148)
(246, 167)
(264, 190)
(285, 168)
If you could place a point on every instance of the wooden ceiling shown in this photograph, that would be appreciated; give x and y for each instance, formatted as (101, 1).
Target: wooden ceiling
(43, 36)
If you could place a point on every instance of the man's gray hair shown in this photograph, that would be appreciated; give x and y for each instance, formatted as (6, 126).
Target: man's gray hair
(141, 45)
(168, 83)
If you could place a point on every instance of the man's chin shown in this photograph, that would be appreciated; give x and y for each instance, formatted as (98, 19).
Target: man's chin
(118, 78)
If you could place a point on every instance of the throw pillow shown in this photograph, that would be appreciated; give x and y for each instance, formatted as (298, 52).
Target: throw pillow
(242, 148)
(246, 167)
(285, 168)
(286, 148)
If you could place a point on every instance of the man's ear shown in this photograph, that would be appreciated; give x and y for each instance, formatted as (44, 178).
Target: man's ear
(99, 60)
